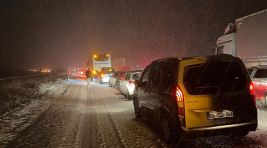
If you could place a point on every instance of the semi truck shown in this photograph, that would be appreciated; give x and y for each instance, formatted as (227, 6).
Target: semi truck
(246, 38)
(102, 69)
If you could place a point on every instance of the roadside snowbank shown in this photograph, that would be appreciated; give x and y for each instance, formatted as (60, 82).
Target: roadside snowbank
(26, 104)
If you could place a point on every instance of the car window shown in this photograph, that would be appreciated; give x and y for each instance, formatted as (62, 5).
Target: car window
(214, 77)
(155, 74)
(136, 76)
(168, 76)
(145, 77)
(261, 73)
(220, 49)
(127, 76)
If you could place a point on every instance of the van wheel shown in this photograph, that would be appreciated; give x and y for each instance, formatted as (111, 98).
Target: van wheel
(166, 129)
(170, 131)
(136, 107)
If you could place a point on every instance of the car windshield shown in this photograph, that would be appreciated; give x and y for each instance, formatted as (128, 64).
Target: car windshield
(261, 73)
(214, 77)
(107, 70)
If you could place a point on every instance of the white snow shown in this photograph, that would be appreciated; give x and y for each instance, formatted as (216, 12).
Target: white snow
(16, 120)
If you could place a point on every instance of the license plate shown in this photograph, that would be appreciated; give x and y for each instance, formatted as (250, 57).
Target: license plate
(219, 115)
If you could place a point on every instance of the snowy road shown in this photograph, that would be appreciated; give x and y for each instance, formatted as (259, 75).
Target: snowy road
(98, 116)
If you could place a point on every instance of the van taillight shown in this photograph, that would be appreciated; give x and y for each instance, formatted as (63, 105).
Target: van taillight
(180, 101)
(252, 92)
(179, 95)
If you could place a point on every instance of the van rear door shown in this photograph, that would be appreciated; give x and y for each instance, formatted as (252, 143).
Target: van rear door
(215, 92)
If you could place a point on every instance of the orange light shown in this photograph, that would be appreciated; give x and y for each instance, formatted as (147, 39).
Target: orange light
(95, 56)
(107, 55)
(94, 72)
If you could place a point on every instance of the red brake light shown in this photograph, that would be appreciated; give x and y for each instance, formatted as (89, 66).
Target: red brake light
(179, 95)
(180, 101)
(121, 78)
(252, 91)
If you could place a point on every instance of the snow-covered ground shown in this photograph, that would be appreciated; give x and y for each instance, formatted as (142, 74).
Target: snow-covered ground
(15, 120)
(96, 116)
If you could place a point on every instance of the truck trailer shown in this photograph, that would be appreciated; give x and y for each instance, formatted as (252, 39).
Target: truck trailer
(246, 38)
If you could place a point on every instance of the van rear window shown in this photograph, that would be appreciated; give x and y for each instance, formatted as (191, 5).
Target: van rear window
(211, 78)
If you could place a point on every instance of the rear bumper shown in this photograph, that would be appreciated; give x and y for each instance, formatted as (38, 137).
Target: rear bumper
(104, 80)
(222, 129)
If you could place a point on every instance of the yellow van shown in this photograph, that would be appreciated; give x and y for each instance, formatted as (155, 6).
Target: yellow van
(197, 95)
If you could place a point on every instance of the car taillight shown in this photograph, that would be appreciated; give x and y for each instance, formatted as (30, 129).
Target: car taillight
(131, 82)
(180, 101)
(252, 92)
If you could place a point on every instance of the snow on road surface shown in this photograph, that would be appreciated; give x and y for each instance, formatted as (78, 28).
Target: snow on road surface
(98, 116)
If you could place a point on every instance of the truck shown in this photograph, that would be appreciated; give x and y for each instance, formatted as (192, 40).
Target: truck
(246, 38)
(102, 69)
(101, 61)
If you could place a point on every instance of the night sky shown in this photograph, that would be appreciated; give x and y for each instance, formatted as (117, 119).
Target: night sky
(64, 33)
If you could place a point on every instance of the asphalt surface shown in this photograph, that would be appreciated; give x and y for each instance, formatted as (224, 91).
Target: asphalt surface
(98, 116)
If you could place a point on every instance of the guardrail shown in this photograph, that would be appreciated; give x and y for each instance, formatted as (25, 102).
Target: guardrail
(23, 77)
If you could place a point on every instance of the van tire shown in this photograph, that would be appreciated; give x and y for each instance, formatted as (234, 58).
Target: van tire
(170, 130)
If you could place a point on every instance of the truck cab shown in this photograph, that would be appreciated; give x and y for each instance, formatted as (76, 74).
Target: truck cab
(245, 37)
(226, 44)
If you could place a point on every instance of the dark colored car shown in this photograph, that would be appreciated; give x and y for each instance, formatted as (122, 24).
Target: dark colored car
(197, 95)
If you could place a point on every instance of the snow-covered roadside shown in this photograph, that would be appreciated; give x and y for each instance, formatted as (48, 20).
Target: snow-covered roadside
(261, 132)
(17, 119)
